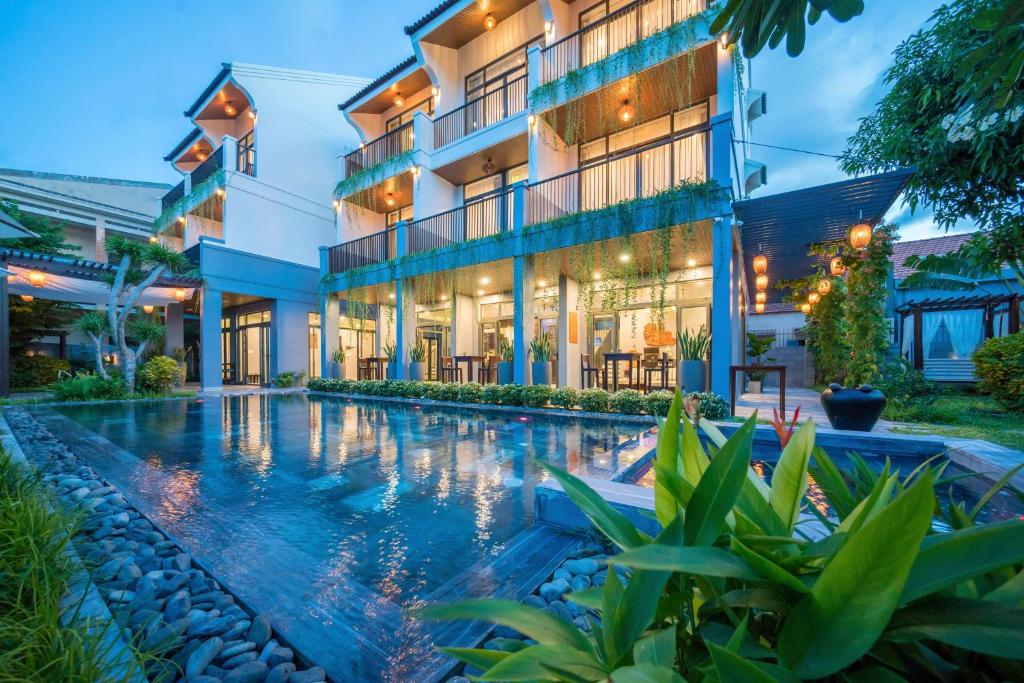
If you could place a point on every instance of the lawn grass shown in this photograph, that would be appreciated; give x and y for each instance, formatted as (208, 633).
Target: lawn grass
(958, 414)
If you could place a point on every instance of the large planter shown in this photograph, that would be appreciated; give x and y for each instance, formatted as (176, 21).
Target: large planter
(542, 372)
(855, 409)
(690, 375)
(754, 386)
(417, 371)
(505, 372)
(392, 370)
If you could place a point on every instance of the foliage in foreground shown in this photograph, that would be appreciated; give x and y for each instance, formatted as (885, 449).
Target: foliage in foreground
(740, 585)
(999, 364)
(35, 572)
(626, 402)
(29, 372)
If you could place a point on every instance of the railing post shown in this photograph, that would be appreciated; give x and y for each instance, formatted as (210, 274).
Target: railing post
(422, 132)
(230, 153)
(401, 239)
(518, 205)
(534, 65)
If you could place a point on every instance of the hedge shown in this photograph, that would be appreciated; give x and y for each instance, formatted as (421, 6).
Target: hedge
(999, 364)
(626, 402)
(35, 371)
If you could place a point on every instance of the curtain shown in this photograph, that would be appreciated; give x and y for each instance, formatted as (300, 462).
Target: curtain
(930, 323)
(1000, 323)
(907, 338)
(965, 330)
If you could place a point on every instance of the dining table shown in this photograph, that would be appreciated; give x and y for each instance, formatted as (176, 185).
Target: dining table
(378, 362)
(470, 361)
(611, 368)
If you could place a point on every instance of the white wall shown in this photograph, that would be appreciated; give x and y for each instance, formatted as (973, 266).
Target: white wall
(776, 322)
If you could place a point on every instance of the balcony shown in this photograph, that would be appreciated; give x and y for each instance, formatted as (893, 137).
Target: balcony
(176, 193)
(376, 152)
(244, 162)
(613, 33)
(375, 248)
(480, 218)
(211, 165)
(505, 101)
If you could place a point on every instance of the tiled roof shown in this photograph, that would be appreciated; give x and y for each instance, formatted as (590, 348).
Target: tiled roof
(187, 141)
(377, 82)
(225, 70)
(927, 247)
(429, 17)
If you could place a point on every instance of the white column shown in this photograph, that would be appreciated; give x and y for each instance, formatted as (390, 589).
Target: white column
(523, 289)
(210, 312)
(463, 338)
(329, 313)
(570, 326)
(405, 323)
(722, 304)
(101, 239)
(174, 327)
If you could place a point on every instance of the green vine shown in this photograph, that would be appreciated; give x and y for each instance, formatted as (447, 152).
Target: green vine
(199, 194)
(371, 175)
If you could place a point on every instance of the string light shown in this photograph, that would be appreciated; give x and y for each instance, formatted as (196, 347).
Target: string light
(824, 287)
(837, 267)
(760, 264)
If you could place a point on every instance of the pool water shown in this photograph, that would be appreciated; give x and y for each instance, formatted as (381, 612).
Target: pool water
(332, 509)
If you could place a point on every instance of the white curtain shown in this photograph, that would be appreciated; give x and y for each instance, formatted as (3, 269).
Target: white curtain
(965, 330)
(930, 323)
(1000, 324)
(907, 340)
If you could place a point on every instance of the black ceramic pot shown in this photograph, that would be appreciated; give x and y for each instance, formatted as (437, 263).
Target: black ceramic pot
(854, 409)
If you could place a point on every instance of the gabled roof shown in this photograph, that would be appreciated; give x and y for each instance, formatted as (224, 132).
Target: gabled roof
(377, 82)
(185, 143)
(926, 247)
(429, 16)
(224, 72)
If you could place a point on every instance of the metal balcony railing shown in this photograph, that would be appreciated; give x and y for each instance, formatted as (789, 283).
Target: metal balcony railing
(499, 104)
(478, 218)
(391, 144)
(375, 248)
(633, 174)
(176, 193)
(213, 163)
(612, 33)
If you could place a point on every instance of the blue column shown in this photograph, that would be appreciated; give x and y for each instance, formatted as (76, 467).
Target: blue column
(522, 317)
(721, 169)
(723, 297)
(209, 340)
(405, 323)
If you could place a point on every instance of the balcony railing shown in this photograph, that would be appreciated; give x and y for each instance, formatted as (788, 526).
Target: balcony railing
(376, 248)
(486, 110)
(612, 33)
(176, 193)
(479, 218)
(391, 144)
(633, 174)
(211, 165)
(245, 155)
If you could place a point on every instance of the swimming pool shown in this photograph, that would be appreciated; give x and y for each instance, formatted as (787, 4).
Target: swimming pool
(333, 514)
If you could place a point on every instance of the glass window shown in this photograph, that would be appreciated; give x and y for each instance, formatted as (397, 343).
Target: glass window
(498, 73)
(640, 135)
(489, 311)
(517, 174)
(507, 309)
(426, 106)
(483, 186)
(402, 214)
(689, 118)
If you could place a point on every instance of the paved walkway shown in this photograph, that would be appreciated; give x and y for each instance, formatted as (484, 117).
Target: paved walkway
(809, 401)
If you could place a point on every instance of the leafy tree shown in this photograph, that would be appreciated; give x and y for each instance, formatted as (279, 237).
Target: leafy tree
(752, 24)
(950, 116)
(96, 326)
(867, 332)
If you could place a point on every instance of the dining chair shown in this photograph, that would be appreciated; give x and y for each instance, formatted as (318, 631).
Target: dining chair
(589, 375)
(488, 371)
(449, 371)
(655, 367)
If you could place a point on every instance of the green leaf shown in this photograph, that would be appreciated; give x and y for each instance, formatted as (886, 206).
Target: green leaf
(766, 568)
(634, 613)
(536, 624)
(731, 668)
(588, 597)
(607, 519)
(1012, 591)
(719, 488)
(851, 602)
(701, 560)
(478, 657)
(951, 558)
(789, 480)
(832, 484)
(667, 457)
(695, 460)
(535, 663)
(646, 673)
(978, 625)
(658, 648)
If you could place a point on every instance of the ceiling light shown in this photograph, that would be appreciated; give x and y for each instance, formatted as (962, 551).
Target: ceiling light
(36, 278)
(761, 283)
(399, 101)
(759, 307)
(252, 115)
(147, 309)
(542, 283)
(179, 294)
(760, 264)
(444, 297)
(480, 292)
(220, 191)
(597, 275)
(390, 199)
(691, 262)
(201, 156)
(391, 296)
(490, 22)
(229, 109)
(761, 297)
(488, 167)
(485, 280)
(624, 257)
(626, 112)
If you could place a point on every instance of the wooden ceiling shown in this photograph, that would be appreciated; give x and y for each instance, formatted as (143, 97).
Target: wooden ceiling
(649, 96)
(230, 93)
(388, 195)
(469, 23)
(384, 100)
(506, 154)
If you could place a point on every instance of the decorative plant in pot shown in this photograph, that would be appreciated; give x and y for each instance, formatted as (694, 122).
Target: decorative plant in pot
(757, 346)
(338, 363)
(417, 364)
(693, 352)
(540, 349)
(505, 364)
(391, 353)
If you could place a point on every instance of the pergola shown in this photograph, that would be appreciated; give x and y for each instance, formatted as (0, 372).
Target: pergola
(987, 303)
(71, 280)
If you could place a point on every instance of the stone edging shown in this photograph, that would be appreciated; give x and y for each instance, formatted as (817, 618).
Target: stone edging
(155, 594)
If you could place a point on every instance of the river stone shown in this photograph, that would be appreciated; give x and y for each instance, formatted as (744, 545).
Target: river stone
(267, 649)
(280, 655)
(178, 606)
(181, 562)
(535, 601)
(554, 590)
(562, 574)
(560, 609)
(238, 660)
(143, 618)
(250, 672)
(204, 679)
(237, 648)
(119, 520)
(280, 673)
(237, 630)
(203, 655)
(581, 582)
(586, 567)
(211, 628)
(314, 674)
(121, 596)
(260, 630)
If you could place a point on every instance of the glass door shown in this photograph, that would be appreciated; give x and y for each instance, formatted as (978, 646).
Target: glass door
(254, 348)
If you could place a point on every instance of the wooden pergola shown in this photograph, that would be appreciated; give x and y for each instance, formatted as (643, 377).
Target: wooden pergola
(988, 303)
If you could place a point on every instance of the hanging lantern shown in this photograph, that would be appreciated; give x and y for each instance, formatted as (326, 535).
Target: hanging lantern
(36, 278)
(490, 22)
(860, 236)
(147, 309)
(761, 297)
(179, 294)
(399, 102)
(813, 298)
(626, 112)
(837, 267)
(760, 264)
(759, 307)
(27, 298)
(805, 308)
(230, 110)
(761, 283)
(824, 286)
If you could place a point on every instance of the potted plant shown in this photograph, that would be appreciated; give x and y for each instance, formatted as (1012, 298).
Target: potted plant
(417, 366)
(693, 351)
(505, 370)
(757, 347)
(540, 349)
(338, 363)
(391, 353)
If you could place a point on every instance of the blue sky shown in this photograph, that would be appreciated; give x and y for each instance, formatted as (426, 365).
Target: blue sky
(97, 88)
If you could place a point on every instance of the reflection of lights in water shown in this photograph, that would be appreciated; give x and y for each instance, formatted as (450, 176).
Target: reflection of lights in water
(444, 484)
(816, 496)
(180, 491)
(315, 432)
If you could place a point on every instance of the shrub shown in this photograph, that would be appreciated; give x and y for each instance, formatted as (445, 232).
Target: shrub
(471, 392)
(289, 378)
(657, 403)
(999, 364)
(565, 397)
(594, 400)
(711, 405)
(86, 386)
(512, 394)
(29, 372)
(416, 389)
(536, 396)
(492, 393)
(627, 402)
(901, 381)
(444, 392)
(159, 374)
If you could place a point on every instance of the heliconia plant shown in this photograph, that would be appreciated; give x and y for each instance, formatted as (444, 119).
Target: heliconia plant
(747, 582)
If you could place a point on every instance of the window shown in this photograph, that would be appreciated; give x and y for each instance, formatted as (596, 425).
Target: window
(645, 133)
(314, 345)
(402, 214)
(500, 72)
(493, 184)
(426, 106)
